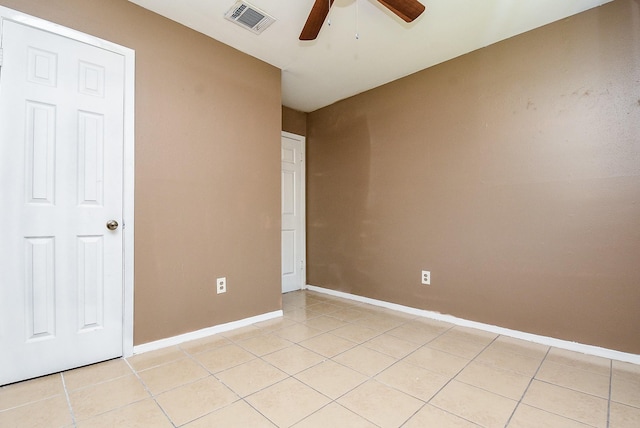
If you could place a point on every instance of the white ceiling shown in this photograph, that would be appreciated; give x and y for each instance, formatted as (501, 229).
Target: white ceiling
(336, 65)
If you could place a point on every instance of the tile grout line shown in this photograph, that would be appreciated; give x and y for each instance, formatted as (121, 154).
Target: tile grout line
(562, 387)
(368, 377)
(426, 403)
(256, 357)
(240, 398)
(289, 376)
(610, 386)
(66, 393)
(563, 415)
(257, 410)
(211, 374)
(146, 388)
(452, 377)
(528, 386)
(457, 373)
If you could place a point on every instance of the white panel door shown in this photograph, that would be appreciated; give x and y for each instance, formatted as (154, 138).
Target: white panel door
(61, 181)
(293, 214)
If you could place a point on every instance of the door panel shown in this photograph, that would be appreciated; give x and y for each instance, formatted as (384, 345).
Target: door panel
(90, 283)
(293, 251)
(40, 309)
(289, 253)
(61, 170)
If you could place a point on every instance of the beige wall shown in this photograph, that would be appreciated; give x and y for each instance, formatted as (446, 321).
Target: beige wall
(207, 194)
(512, 173)
(294, 121)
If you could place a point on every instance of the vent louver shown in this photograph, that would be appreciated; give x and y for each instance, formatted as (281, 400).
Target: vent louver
(249, 17)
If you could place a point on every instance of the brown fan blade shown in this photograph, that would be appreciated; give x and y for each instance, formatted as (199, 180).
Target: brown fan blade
(408, 10)
(316, 18)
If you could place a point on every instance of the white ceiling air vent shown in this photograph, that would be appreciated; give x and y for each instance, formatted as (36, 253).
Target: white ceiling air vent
(249, 17)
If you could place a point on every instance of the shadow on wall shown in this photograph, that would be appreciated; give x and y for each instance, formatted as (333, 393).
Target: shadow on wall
(340, 188)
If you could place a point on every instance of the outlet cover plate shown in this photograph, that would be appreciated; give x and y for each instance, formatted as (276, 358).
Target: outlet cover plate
(426, 277)
(221, 285)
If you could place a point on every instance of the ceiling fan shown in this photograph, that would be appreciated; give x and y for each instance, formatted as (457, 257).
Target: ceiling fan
(408, 10)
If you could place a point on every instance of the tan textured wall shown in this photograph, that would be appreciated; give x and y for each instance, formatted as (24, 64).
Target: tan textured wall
(294, 121)
(207, 192)
(512, 173)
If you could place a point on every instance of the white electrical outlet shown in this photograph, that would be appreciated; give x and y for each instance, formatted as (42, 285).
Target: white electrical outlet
(426, 277)
(221, 285)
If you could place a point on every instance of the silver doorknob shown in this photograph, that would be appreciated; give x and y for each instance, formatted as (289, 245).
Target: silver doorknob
(112, 225)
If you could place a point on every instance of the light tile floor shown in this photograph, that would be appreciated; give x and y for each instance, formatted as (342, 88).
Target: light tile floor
(331, 362)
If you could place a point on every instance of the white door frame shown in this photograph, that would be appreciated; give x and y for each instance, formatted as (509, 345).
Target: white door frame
(303, 204)
(128, 155)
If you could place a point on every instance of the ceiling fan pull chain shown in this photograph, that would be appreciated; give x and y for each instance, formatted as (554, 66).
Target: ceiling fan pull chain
(329, 13)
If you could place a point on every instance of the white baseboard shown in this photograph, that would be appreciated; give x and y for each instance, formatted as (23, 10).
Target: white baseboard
(544, 340)
(205, 332)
